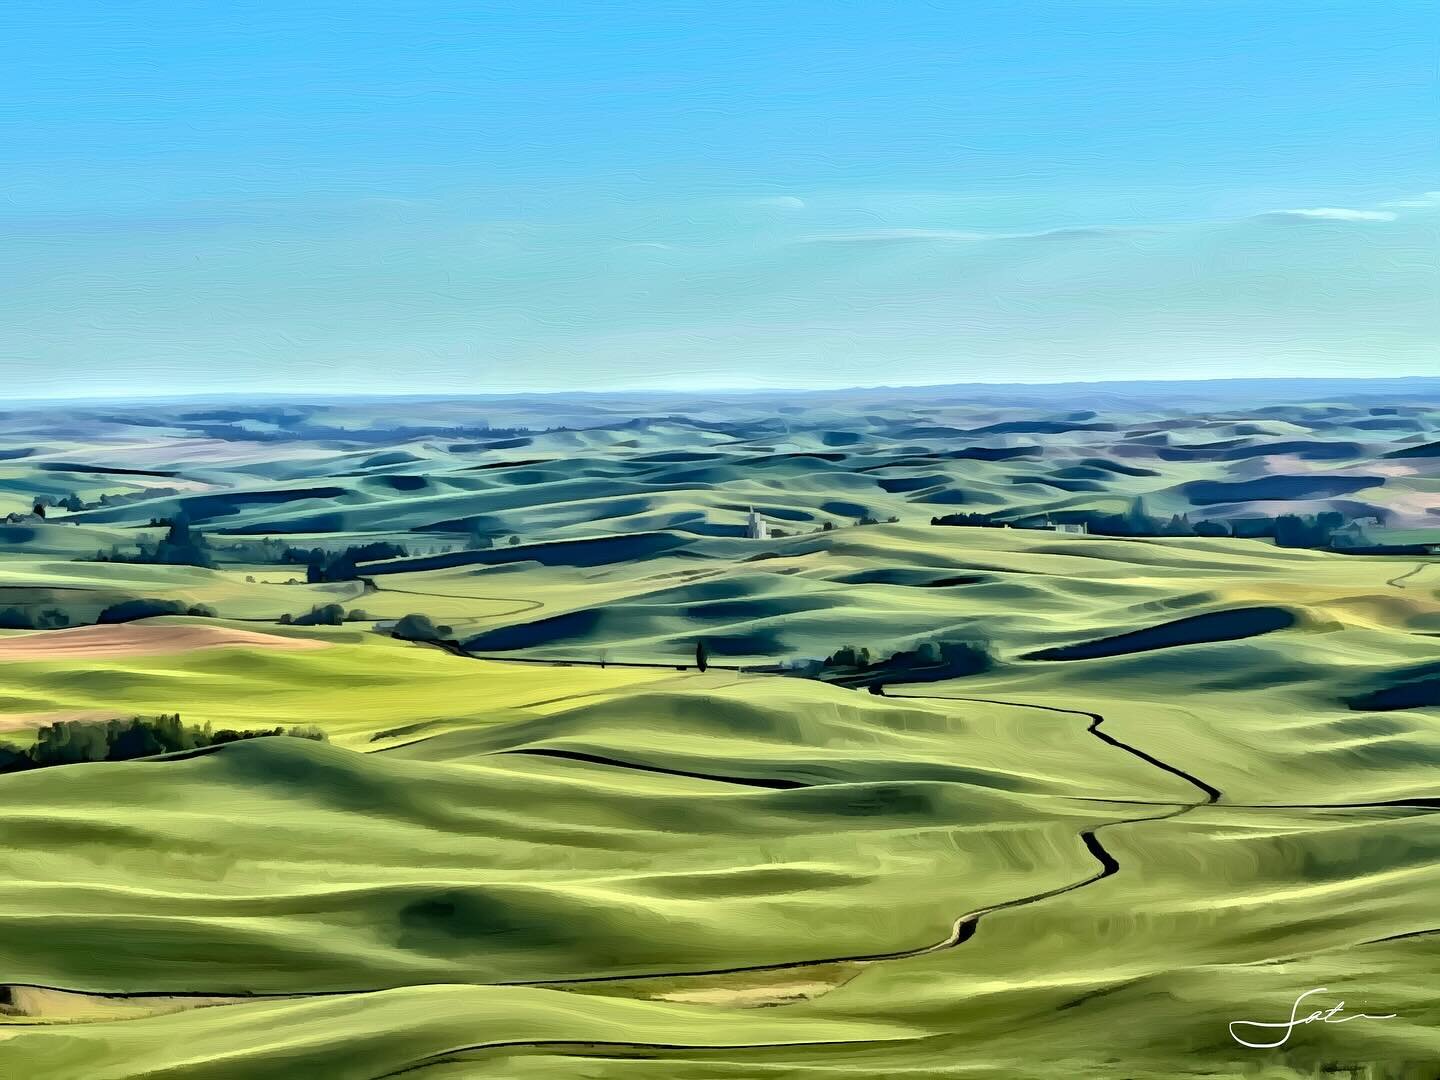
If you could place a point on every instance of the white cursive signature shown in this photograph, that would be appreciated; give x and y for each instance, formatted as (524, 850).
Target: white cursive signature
(1287, 1026)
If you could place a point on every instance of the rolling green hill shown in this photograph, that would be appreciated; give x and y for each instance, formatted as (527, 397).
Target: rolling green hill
(1193, 778)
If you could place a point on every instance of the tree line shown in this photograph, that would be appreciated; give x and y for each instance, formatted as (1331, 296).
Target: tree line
(73, 742)
(325, 615)
(1287, 530)
(180, 546)
(56, 618)
(322, 565)
(855, 666)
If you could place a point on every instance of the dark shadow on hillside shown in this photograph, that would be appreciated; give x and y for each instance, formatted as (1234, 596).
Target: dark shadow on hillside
(591, 551)
(1405, 688)
(1196, 630)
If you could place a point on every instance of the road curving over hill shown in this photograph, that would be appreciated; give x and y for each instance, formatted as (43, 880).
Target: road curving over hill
(1212, 794)
(966, 925)
(1414, 571)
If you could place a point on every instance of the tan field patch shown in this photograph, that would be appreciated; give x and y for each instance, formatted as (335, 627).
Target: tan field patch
(138, 639)
(1388, 468)
(751, 997)
(1411, 509)
(42, 1005)
(26, 720)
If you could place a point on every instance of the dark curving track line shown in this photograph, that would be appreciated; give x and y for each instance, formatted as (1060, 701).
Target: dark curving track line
(1423, 802)
(964, 928)
(1212, 794)
(597, 759)
(1395, 581)
(621, 1047)
(961, 931)
(1408, 935)
(526, 605)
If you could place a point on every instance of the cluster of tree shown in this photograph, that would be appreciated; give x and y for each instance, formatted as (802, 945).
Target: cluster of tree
(71, 742)
(75, 504)
(868, 519)
(421, 628)
(853, 665)
(180, 546)
(321, 565)
(13, 618)
(149, 608)
(266, 549)
(1287, 530)
(325, 615)
(480, 539)
(54, 618)
(849, 657)
(1307, 530)
(969, 520)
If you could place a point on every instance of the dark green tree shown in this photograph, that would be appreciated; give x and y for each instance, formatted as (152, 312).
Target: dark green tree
(322, 615)
(418, 627)
(147, 608)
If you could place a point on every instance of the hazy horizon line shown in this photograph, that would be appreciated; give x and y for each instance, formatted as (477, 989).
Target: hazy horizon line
(671, 391)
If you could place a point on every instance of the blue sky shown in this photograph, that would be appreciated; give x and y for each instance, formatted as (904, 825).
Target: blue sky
(419, 197)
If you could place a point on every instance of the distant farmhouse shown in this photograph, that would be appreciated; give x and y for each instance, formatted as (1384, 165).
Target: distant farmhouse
(1078, 528)
(756, 527)
(1370, 535)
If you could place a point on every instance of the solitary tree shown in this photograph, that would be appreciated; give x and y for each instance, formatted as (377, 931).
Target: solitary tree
(702, 656)
(40, 510)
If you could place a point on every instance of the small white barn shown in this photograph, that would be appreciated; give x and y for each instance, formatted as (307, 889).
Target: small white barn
(756, 527)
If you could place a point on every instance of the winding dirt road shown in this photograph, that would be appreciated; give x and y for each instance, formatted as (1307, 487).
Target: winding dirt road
(965, 926)
(1398, 578)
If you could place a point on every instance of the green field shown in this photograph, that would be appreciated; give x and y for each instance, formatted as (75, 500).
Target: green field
(1196, 780)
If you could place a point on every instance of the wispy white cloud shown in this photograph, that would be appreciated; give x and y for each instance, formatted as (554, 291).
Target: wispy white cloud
(966, 236)
(1340, 213)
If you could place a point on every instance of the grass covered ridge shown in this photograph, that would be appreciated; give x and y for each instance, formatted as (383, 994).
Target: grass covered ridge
(1177, 780)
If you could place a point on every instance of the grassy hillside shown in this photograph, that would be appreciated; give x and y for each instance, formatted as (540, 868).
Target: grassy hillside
(1192, 779)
